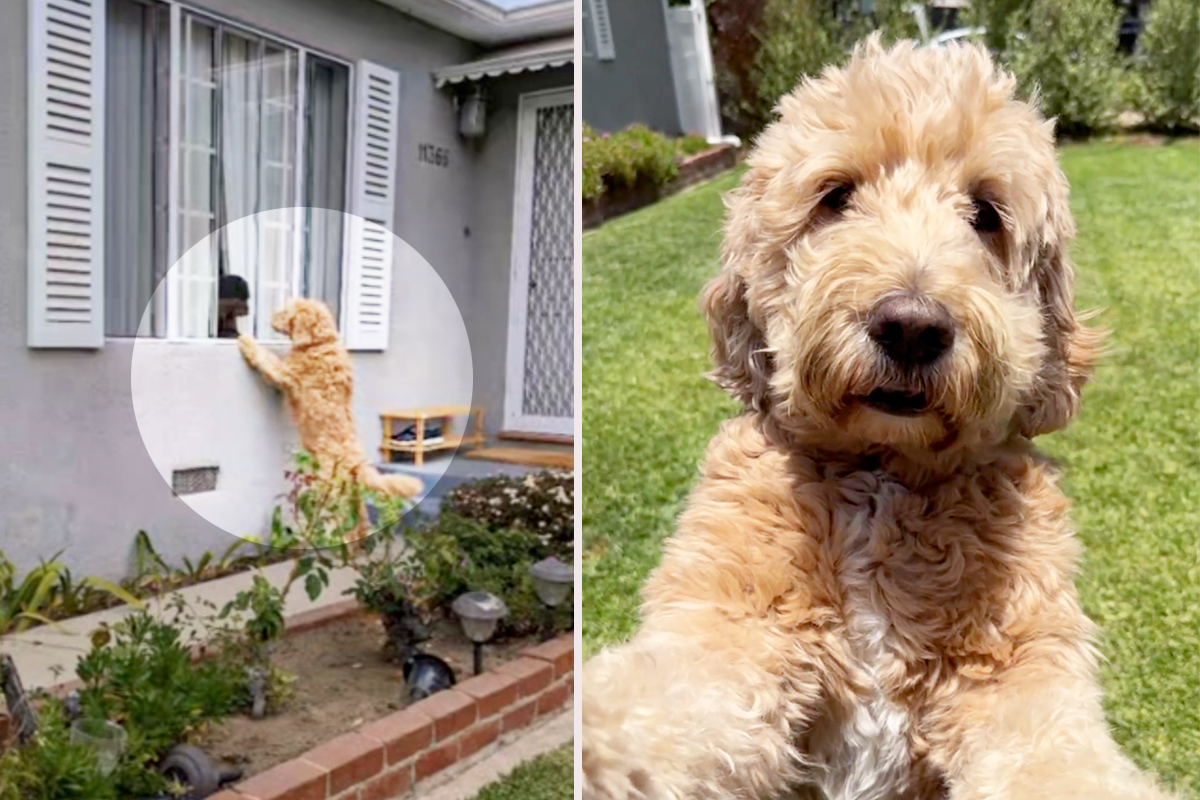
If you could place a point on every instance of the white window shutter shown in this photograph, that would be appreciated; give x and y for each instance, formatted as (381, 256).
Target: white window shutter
(602, 30)
(66, 173)
(366, 321)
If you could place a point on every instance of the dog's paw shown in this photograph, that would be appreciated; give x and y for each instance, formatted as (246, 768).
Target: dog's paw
(246, 345)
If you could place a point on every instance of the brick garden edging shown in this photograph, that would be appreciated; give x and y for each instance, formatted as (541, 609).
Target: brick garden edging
(387, 757)
(693, 169)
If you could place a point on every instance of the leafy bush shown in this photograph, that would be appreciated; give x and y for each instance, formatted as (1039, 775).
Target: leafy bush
(1063, 52)
(690, 144)
(453, 555)
(51, 766)
(763, 53)
(996, 16)
(542, 503)
(1168, 68)
(636, 153)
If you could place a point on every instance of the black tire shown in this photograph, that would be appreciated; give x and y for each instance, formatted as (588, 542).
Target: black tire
(194, 768)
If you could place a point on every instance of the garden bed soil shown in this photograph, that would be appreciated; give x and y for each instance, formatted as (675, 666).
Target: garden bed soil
(342, 682)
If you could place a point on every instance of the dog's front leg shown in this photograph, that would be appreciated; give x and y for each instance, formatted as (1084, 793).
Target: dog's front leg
(1038, 734)
(271, 366)
(668, 716)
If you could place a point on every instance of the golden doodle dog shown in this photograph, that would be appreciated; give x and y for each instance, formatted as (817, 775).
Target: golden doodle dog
(869, 595)
(317, 378)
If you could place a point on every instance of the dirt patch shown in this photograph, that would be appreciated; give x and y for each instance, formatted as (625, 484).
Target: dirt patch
(342, 682)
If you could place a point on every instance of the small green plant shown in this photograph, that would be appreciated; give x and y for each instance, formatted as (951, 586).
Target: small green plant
(140, 674)
(49, 592)
(51, 766)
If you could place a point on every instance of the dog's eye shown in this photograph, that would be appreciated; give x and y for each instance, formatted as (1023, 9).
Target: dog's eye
(837, 199)
(986, 218)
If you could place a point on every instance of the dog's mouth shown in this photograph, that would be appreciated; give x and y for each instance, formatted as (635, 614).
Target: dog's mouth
(897, 402)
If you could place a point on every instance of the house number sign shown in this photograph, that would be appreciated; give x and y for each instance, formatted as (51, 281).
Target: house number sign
(432, 154)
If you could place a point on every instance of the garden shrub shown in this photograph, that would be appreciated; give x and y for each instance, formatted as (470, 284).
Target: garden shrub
(141, 675)
(52, 767)
(764, 50)
(1064, 53)
(454, 554)
(1168, 66)
(542, 503)
(636, 153)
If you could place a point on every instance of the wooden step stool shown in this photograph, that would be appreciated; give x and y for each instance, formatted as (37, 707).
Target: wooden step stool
(396, 421)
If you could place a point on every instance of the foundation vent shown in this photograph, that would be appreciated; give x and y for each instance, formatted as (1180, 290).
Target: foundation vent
(194, 480)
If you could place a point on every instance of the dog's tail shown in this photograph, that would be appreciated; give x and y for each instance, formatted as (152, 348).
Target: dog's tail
(394, 485)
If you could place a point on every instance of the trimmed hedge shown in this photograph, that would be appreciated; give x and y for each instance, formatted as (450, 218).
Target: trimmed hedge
(634, 154)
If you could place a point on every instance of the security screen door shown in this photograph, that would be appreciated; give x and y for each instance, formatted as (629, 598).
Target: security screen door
(539, 387)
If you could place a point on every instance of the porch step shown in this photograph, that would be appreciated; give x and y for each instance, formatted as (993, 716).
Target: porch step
(564, 440)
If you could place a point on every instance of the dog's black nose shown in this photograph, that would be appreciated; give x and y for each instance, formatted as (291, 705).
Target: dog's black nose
(911, 330)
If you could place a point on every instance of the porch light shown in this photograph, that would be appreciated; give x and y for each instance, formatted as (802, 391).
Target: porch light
(472, 113)
(479, 612)
(552, 579)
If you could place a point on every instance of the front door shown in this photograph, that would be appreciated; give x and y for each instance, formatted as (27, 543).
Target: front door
(539, 386)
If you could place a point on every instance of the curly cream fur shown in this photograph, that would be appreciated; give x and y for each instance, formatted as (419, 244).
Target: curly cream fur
(317, 378)
(860, 605)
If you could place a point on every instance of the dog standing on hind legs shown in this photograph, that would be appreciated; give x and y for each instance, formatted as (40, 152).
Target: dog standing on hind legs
(869, 595)
(317, 378)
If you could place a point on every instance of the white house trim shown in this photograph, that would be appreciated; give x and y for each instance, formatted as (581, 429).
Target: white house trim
(514, 378)
(526, 58)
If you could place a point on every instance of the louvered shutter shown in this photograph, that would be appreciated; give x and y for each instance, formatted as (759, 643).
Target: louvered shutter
(66, 173)
(602, 30)
(372, 203)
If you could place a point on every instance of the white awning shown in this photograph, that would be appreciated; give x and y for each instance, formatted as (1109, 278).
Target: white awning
(510, 61)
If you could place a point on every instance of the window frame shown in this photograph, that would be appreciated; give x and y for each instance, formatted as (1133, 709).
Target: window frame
(165, 324)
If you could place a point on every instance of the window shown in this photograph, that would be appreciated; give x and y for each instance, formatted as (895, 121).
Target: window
(262, 133)
(150, 126)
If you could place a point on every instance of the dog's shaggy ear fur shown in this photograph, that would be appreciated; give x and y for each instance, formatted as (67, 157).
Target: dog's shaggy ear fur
(308, 322)
(1071, 348)
(743, 366)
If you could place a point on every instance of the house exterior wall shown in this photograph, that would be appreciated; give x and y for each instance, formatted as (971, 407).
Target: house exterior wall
(637, 85)
(75, 474)
(492, 233)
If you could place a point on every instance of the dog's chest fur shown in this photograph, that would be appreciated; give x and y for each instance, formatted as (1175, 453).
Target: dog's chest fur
(864, 747)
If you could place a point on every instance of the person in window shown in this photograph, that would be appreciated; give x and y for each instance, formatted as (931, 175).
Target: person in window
(233, 301)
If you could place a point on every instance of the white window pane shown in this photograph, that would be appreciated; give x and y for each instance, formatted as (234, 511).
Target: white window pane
(199, 52)
(197, 194)
(198, 115)
(280, 68)
(195, 229)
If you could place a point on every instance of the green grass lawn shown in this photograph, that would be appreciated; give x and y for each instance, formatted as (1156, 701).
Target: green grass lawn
(1131, 456)
(547, 777)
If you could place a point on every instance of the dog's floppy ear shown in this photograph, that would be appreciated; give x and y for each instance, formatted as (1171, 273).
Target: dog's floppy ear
(743, 367)
(1071, 348)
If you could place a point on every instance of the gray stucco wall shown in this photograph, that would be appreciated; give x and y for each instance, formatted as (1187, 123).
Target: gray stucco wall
(75, 474)
(637, 85)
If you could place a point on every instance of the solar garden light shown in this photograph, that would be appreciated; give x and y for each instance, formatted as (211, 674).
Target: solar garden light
(552, 579)
(479, 612)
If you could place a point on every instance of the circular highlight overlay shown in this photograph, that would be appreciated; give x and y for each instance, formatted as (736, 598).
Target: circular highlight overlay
(219, 430)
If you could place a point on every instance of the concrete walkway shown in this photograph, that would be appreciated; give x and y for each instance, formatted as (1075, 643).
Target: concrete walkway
(46, 656)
